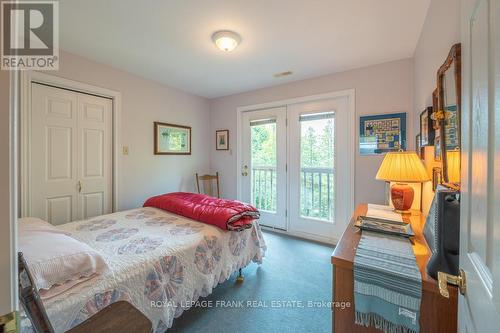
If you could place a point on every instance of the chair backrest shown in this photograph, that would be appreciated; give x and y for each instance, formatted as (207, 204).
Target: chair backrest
(30, 299)
(207, 184)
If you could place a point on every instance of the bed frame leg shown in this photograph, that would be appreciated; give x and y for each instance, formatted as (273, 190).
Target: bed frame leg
(240, 277)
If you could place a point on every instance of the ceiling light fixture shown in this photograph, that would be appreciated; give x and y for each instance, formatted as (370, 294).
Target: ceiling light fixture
(226, 40)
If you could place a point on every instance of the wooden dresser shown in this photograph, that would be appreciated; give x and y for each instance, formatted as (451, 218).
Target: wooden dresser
(437, 314)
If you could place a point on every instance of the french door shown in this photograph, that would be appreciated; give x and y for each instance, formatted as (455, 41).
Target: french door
(264, 164)
(294, 160)
(316, 138)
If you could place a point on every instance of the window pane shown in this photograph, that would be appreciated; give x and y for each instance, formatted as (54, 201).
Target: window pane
(263, 173)
(317, 153)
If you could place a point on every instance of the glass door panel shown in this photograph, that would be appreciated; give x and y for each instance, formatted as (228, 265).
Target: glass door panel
(315, 136)
(263, 169)
(263, 161)
(317, 147)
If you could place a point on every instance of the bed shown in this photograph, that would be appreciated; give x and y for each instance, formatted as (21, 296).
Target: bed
(158, 261)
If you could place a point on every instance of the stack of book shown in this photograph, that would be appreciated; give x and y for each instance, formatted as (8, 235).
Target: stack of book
(383, 219)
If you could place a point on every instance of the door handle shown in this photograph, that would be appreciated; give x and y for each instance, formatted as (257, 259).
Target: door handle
(456, 280)
(79, 186)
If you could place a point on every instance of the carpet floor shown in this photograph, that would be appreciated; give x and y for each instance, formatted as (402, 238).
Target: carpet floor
(289, 292)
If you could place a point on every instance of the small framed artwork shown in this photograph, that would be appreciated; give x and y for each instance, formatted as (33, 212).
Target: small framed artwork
(437, 148)
(437, 177)
(427, 131)
(418, 145)
(172, 139)
(383, 133)
(222, 140)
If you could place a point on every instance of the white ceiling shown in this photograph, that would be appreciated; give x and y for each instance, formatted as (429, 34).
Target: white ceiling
(169, 41)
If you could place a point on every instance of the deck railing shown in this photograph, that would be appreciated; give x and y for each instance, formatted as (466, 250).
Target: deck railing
(316, 186)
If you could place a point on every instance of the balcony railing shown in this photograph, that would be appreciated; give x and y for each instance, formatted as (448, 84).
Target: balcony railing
(264, 188)
(316, 191)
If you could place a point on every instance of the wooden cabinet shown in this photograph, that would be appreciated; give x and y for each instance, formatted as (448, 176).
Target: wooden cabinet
(437, 314)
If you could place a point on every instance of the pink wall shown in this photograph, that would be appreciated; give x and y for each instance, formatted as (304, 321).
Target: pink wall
(143, 102)
(383, 88)
(440, 31)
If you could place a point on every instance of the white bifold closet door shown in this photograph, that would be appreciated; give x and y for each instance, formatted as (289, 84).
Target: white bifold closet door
(70, 155)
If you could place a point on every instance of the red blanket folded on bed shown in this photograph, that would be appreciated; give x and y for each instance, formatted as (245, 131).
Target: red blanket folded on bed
(225, 214)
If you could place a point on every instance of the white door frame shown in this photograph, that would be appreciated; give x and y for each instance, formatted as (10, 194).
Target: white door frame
(29, 77)
(351, 95)
(8, 277)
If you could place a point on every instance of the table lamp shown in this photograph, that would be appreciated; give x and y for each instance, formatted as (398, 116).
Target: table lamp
(402, 168)
(453, 159)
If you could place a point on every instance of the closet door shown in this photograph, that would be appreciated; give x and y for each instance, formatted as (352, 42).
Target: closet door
(94, 156)
(53, 143)
(70, 155)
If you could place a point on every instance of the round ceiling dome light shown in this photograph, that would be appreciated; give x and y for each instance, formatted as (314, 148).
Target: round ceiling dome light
(226, 40)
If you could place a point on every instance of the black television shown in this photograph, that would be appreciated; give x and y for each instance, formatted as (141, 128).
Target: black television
(442, 231)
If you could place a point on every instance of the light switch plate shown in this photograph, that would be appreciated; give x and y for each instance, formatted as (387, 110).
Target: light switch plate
(125, 150)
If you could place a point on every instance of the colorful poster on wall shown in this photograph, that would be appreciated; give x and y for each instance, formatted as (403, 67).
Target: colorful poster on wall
(450, 127)
(380, 134)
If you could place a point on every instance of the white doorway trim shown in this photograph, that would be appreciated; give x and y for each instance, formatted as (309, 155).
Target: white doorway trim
(9, 301)
(29, 77)
(350, 94)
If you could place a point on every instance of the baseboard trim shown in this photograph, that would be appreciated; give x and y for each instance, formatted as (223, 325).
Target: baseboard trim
(302, 235)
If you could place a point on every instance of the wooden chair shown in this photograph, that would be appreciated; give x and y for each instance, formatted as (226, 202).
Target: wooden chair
(207, 184)
(120, 316)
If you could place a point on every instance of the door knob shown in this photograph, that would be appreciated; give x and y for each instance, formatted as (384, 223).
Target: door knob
(456, 280)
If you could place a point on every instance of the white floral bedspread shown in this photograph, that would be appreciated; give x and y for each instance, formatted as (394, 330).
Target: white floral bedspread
(160, 262)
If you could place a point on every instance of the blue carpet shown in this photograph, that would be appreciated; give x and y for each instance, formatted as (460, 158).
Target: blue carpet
(294, 273)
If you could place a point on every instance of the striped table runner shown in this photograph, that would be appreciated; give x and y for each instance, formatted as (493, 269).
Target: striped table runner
(387, 284)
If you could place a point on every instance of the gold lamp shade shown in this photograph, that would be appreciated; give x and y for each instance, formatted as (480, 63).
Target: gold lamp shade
(405, 167)
(453, 165)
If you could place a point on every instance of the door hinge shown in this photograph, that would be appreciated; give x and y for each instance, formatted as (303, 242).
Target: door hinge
(286, 121)
(456, 280)
(286, 167)
(286, 212)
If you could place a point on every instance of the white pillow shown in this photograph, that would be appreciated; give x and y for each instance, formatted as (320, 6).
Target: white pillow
(53, 257)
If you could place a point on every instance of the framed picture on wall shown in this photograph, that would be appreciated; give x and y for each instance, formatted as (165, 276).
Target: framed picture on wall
(172, 139)
(382, 133)
(451, 129)
(427, 131)
(222, 140)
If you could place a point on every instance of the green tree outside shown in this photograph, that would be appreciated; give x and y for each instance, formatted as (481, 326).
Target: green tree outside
(316, 160)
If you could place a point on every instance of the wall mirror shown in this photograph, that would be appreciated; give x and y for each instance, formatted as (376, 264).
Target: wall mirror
(448, 114)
